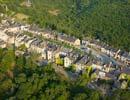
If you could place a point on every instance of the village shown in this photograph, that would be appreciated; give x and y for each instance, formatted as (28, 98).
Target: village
(67, 51)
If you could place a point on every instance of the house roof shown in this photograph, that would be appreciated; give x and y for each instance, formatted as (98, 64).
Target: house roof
(48, 31)
(27, 39)
(113, 50)
(2, 27)
(121, 52)
(73, 55)
(125, 70)
(51, 47)
(42, 44)
(128, 57)
(24, 37)
(66, 50)
(83, 60)
(111, 76)
(95, 42)
(11, 34)
(34, 28)
(125, 54)
(36, 42)
(1, 42)
(67, 38)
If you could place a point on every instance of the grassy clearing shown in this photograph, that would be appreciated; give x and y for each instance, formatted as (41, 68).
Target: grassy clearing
(21, 16)
(54, 12)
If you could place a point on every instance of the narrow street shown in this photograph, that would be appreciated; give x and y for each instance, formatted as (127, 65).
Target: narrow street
(102, 56)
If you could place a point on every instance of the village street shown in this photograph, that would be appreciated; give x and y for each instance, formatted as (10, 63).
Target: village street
(101, 56)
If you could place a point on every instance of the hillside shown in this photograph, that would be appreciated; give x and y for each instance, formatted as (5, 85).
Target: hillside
(107, 20)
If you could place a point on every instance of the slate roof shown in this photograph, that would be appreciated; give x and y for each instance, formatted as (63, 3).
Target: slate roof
(1, 42)
(27, 39)
(73, 55)
(36, 42)
(113, 49)
(11, 34)
(128, 57)
(126, 71)
(19, 35)
(83, 60)
(67, 38)
(111, 76)
(24, 37)
(34, 28)
(125, 54)
(51, 47)
(47, 31)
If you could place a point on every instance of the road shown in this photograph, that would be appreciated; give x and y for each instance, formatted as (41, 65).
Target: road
(105, 58)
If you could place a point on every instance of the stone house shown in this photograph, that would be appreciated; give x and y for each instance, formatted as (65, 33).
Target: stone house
(34, 29)
(85, 42)
(103, 49)
(67, 61)
(28, 43)
(14, 28)
(24, 27)
(70, 40)
(63, 52)
(124, 56)
(82, 63)
(2, 44)
(35, 46)
(51, 50)
(44, 53)
(95, 44)
(97, 66)
(113, 52)
(4, 37)
(105, 75)
(48, 34)
(71, 58)
(19, 39)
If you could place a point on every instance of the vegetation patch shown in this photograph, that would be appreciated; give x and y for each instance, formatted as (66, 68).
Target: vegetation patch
(21, 16)
(23, 4)
(54, 12)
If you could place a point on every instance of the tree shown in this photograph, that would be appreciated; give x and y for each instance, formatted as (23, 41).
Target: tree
(85, 77)
(5, 86)
(59, 61)
(21, 78)
(22, 47)
(81, 96)
(8, 61)
(120, 95)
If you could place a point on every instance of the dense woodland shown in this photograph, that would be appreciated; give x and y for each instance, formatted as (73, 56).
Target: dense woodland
(107, 20)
